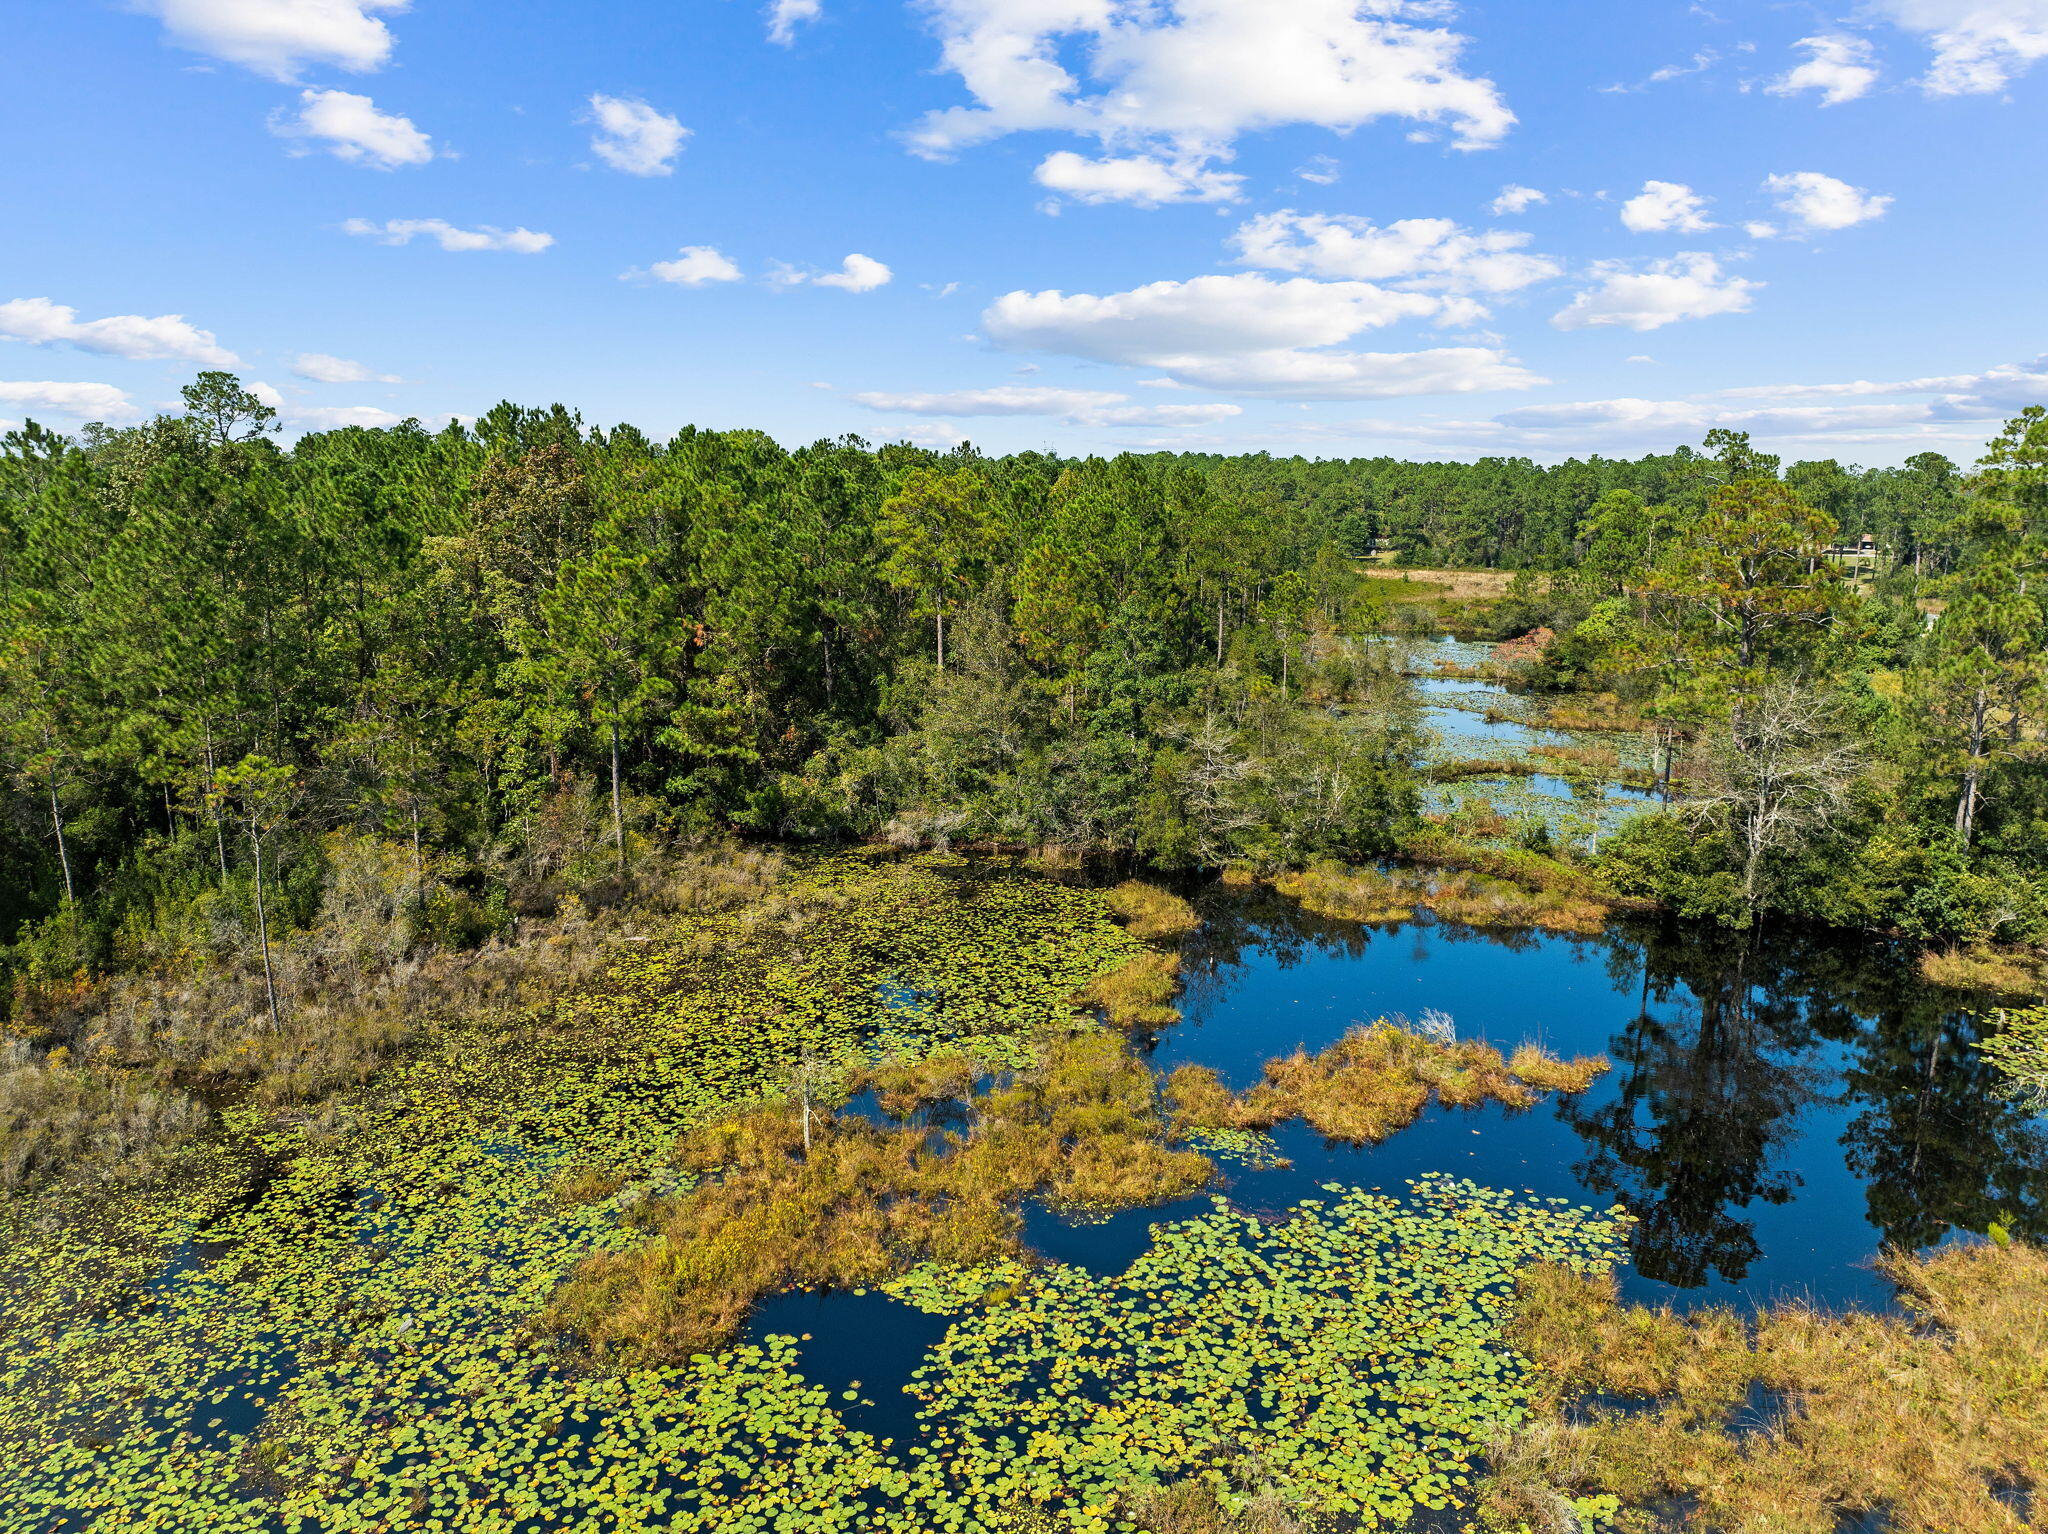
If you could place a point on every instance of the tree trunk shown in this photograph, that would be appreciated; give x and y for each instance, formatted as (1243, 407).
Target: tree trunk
(220, 837)
(939, 616)
(263, 925)
(807, 1121)
(1219, 622)
(57, 823)
(1966, 805)
(618, 817)
(419, 867)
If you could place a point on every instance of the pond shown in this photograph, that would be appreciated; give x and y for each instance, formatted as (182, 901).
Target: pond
(347, 1341)
(1782, 1107)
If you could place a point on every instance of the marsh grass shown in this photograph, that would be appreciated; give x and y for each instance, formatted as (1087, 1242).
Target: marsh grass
(1509, 889)
(866, 1203)
(1139, 994)
(1372, 1082)
(1149, 912)
(108, 1074)
(1923, 1418)
(1993, 971)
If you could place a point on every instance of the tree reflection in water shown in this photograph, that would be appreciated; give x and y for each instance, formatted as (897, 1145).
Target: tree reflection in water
(1747, 1064)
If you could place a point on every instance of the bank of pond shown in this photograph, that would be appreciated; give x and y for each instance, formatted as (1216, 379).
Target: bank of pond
(1372, 1226)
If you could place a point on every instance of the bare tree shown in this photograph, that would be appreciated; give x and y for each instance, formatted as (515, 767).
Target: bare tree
(1777, 773)
(810, 1076)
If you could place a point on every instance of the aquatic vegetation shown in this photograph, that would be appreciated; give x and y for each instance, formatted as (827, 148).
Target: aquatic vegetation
(1353, 1349)
(1502, 888)
(1985, 969)
(1371, 1082)
(329, 1326)
(1138, 994)
(1350, 894)
(862, 1204)
(1150, 912)
(1936, 1420)
(2019, 1048)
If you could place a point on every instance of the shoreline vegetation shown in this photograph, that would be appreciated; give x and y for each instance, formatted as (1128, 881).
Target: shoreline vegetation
(486, 907)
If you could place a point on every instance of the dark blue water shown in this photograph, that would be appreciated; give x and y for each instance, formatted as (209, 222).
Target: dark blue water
(1783, 1106)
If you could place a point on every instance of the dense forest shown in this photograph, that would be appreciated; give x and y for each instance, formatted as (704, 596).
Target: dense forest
(275, 719)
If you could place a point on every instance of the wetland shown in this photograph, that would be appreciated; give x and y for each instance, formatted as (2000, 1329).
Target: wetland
(360, 1324)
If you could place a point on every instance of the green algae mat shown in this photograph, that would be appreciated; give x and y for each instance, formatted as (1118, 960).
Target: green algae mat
(333, 1331)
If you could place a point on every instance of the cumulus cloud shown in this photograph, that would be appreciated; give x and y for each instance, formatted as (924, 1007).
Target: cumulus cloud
(1979, 45)
(694, 267)
(1252, 334)
(856, 274)
(1998, 391)
(350, 127)
(1815, 202)
(1838, 66)
(785, 16)
(1687, 286)
(1666, 205)
(1420, 253)
(1516, 199)
(279, 38)
(403, 231)
(633, 137)
(319, 367)
(1187, 77)
(1079, 407)
(1145, 180)
(40, 322)
(334, 417)
(87, 401)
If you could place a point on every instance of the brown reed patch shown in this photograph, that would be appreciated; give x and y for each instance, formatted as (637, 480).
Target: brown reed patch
(1152, 913)
(1936, 1420)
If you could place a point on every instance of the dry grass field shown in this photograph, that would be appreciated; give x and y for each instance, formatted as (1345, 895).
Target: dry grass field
(1455, 585)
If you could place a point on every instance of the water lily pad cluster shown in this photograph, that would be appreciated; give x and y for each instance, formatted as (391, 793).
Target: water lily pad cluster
(327, 1327)
(1355, 1349)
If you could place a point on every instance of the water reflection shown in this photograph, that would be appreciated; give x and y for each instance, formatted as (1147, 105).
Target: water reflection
(1783, 1105)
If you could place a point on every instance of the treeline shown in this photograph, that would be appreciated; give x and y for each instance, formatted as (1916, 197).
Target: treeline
(1856, 743)
(494, 665)
(1512, 513)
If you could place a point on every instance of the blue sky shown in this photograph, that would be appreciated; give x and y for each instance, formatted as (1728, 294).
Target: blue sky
(1289, 225)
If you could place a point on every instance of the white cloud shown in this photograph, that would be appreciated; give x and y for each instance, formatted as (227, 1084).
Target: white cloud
(695, 266)
(1838, 66)
(1994, 393)
(43, 323)
(1251, 334)
(785, 16)
(1422, 253)
(1817, 202)
(334, 417)
(857, 275)
(278, 38)
(1320, 169)
(351, 128)
(1796, 418)
(1687, 286)
(633, 137)
(1666, 205)
(1081, 407)
(319, 367)
(1187, 77)
(87, 401)
(1979, 45)
(1516, 199)
(1639, 357)
(402, 231)
(1144, 179)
